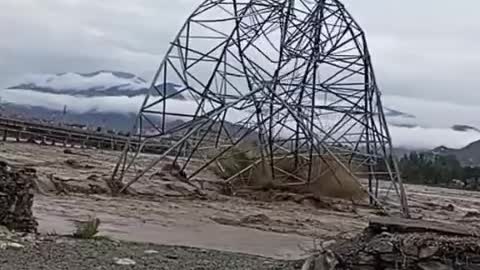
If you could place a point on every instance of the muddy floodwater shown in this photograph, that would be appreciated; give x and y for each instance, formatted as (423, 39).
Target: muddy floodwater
(166, 223)
(277, 229)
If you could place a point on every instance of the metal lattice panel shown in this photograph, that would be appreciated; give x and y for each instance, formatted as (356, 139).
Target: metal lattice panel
(293, 77)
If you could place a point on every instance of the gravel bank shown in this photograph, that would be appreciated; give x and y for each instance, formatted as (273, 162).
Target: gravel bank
(64, 253)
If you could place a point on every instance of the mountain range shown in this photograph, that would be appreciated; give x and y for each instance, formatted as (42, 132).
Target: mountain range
(102, 83)
(468, 155)
(107, 88)
(108, 84)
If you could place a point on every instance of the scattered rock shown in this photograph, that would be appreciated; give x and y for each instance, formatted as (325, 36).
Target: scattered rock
(381, 245)
(30, 238)
(255, 219)
(410, 247)
(309, 263)
(97, 189)
(250, 219)
(365, 258)
(179, 188)
(455, 183)
(67, 186)
(328, 244)
(160, 175)
(124, 261)
(472, 214)
(75, 164)
(428, 252)
(174, 169)
(5, 232)
(172, 257)
(109, 255)
(389, 257)
(434, 265)
(14, 245)
(324, 261)
(450, 207)
(88, 167)
(226, 221)
(10, 245)
(93, 177)
(61, 241)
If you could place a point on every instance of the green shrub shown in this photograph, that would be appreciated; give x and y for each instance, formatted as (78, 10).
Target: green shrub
(86, 229)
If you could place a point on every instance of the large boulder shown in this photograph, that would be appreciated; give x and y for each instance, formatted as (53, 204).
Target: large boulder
(16, 198)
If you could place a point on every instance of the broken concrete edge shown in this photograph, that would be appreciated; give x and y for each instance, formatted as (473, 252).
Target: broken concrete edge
(402, 244)
(402, 225)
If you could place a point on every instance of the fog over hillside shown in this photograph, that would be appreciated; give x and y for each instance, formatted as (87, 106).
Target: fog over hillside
(414, 123)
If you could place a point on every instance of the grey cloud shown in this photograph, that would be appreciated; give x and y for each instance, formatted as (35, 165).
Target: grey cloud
(424, 49)
(69, 35)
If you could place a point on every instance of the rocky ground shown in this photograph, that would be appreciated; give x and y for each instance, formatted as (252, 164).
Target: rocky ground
(395, 243)
(61, 253)
(71, 186)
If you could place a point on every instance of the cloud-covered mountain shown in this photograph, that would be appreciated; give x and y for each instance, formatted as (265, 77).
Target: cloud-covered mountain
(102, 83)
(465, 128)
(109, 99)
(112, 99)
(468, 155)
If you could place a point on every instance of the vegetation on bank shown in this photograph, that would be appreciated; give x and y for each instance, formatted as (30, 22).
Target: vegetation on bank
(438, 170)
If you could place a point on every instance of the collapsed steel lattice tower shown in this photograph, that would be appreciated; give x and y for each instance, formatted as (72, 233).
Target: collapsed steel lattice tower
(292, 76)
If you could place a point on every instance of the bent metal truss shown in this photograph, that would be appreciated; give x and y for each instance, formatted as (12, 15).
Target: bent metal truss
(292, 77)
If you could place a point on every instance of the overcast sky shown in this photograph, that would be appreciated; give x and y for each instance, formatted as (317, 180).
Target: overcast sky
(425, 52)
(426, 49)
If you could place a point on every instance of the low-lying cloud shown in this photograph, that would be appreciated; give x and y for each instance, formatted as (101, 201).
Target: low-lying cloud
(429, 138)
(433, 114)
(75, 104)
(433, 120)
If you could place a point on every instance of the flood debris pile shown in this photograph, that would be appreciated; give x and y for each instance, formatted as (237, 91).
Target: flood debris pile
(91, 185)
(245, 171)
(17, 188)
(403, 244)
